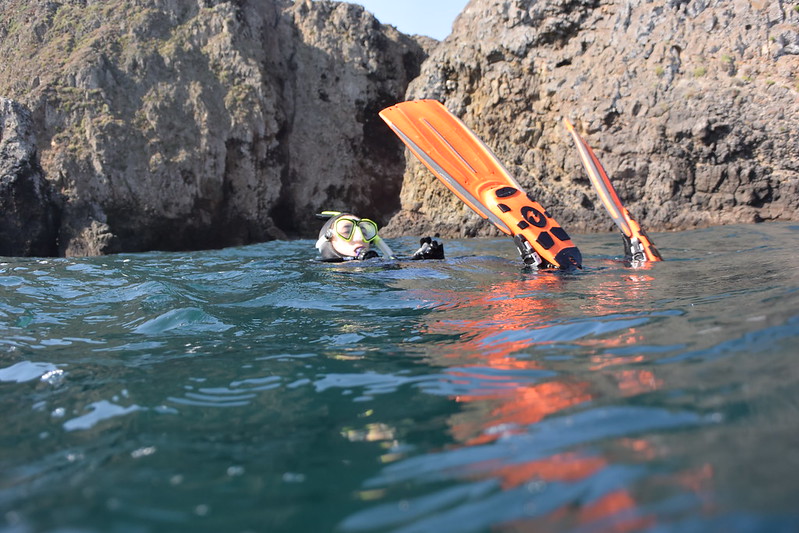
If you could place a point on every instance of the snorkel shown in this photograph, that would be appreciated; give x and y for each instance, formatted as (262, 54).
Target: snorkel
(345, 228)
(380, 243)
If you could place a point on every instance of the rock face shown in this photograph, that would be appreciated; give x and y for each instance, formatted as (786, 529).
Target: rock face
(691, 105)
(180, 125)
(28, 215)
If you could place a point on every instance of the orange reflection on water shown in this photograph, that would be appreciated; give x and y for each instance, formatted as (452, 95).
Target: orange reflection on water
(494, 326)
(516, 408)
(568, 466)
(633, 382)
(514, 308)
(615, 295)
(604, 362)
(616, 509)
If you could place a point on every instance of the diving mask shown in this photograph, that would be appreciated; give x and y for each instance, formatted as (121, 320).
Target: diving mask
(345, 228)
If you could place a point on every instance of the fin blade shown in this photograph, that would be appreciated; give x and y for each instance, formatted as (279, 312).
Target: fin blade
(610, 199)
(466, 165)
(426, 131)
(447, 179)
(600, 181)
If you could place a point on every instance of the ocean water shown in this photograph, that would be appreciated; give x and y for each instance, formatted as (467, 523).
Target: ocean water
(254, 389)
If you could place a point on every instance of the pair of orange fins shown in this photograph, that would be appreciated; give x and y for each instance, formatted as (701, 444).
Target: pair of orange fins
(457, 157)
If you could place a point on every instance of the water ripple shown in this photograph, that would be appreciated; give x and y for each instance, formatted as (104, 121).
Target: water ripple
(26, 371)
(237, 389)
(544, 439)
(100, 411)
(188, 320)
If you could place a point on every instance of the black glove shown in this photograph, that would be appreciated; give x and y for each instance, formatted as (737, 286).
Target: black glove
(368, 254)
(430, 249)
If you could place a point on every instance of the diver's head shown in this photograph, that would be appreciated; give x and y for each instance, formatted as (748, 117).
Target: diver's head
(346, 236)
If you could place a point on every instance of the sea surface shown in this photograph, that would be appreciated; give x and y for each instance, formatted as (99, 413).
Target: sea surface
(254, 389)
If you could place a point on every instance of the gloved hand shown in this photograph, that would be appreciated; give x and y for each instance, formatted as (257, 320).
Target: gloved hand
(430, 249)
(368, 254)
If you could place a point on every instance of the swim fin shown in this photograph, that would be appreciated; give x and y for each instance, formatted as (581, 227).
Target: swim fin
(457, 157)
(637, 245)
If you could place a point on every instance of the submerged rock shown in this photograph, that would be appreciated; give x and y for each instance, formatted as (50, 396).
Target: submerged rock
(692, 106)
(28, 215)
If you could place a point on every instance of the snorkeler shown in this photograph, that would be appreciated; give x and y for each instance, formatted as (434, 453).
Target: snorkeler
(346, 237)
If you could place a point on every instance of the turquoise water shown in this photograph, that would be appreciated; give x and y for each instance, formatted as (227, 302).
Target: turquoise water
(253, 389)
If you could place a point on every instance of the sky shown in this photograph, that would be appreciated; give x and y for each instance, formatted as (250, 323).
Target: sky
(433, 18)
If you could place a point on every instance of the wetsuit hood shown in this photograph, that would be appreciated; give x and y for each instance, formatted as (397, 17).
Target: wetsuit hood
(323, 243)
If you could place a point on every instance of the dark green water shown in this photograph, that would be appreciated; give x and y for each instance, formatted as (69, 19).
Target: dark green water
(254, 389)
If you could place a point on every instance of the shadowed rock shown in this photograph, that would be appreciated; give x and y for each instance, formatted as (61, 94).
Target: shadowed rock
(28, 216)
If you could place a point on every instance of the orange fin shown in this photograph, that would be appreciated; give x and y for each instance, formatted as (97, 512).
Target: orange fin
(457, 157)
(637, 243)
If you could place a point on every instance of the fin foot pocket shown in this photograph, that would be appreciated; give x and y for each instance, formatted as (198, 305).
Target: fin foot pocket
(526, 251)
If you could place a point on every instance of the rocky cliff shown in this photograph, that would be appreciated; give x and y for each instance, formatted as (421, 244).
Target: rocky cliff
(692, 106)
(180, 125)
